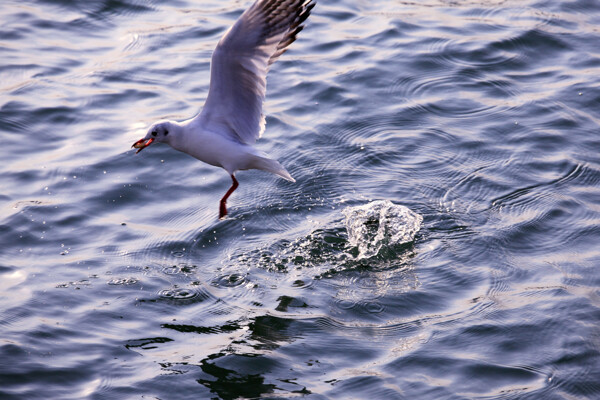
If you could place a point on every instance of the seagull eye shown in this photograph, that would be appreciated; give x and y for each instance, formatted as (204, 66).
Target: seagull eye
(154, 133)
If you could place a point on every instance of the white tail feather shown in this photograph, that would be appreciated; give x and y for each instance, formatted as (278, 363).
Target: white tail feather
(272, 166)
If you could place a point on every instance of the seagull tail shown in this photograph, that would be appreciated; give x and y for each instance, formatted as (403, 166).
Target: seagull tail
(272, 166)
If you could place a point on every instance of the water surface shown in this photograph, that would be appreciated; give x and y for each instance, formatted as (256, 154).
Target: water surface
(119, 282)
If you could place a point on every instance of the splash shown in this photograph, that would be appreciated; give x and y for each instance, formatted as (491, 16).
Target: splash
(339, 244)
(380, 223)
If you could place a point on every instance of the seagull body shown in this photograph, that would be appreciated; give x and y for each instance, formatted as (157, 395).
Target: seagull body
(231, 121)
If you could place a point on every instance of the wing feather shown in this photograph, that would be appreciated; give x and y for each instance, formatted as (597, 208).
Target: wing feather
(240, 64)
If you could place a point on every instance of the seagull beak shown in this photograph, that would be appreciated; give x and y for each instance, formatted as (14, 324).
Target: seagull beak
(142, 144)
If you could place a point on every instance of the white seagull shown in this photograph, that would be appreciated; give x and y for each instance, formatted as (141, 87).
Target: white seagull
(224, 131)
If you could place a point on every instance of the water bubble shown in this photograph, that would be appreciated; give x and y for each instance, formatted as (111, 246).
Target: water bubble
(171, 270)
(179, 294)
(122, 281)
(178, 269)
(230, 280)
(374, 307)
(345, 304)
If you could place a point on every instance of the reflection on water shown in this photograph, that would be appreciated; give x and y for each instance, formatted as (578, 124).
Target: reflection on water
(119, 282)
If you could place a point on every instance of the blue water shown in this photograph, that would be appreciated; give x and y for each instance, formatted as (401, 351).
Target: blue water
(118, 281)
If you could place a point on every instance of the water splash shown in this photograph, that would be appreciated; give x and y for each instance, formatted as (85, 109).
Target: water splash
(380, 223)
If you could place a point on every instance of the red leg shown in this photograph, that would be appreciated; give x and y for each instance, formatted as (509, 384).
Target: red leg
(223, 208)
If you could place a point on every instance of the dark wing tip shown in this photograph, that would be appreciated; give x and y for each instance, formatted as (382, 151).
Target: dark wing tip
(297, 13)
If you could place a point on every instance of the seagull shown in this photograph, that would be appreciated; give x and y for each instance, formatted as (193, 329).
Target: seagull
(224, 131)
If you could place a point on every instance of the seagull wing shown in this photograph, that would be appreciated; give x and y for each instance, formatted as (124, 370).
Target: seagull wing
(240, 63)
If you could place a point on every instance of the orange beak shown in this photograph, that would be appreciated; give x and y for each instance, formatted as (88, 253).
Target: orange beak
(142, 144)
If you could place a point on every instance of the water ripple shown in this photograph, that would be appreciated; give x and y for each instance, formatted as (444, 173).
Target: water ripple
(185, 295)
(118, 280)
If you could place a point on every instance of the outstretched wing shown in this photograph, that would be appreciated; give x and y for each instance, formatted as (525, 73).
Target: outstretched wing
(240, 63)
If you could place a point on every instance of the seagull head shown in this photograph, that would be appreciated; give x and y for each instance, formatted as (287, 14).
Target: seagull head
(161, 131)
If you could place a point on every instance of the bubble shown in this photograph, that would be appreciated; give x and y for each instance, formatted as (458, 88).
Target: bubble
(178, 294)
(230, 280)
(122, 281)
(171, 270)
(374, 307)
(345, 304)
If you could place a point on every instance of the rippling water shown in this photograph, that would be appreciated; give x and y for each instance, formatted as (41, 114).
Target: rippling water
(118, 280)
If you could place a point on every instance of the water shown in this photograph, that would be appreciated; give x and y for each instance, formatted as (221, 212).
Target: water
(119, 282)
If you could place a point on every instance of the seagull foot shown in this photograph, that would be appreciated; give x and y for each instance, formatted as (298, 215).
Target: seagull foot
(222, 204)
(222, 211)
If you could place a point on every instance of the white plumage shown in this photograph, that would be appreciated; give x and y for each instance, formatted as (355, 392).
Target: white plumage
(231, 121)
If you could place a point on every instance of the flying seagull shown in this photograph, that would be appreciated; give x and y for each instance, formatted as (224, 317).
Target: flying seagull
(224, 131)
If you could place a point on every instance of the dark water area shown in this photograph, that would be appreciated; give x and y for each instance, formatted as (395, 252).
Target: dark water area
(118, 281)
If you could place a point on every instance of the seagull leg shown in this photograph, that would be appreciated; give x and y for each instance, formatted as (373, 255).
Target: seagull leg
(223, 208)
